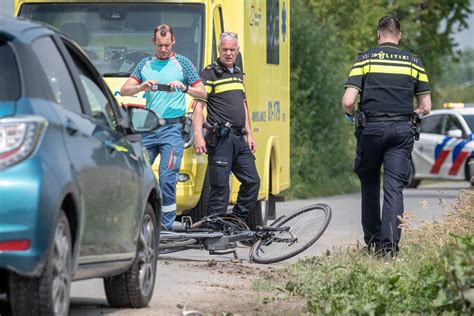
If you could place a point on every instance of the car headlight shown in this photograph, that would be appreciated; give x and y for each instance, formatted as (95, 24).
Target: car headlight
(19, 136)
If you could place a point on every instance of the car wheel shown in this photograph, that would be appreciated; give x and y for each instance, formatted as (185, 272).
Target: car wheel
(49, 293)
(470, 170)
(134, 288)
(200, 210)
(412, 183)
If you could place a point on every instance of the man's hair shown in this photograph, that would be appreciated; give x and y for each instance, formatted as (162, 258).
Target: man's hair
(229, 36)
(163, 29)
(389, 24)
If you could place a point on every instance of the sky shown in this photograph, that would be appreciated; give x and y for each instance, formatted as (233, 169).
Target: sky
(465, 38)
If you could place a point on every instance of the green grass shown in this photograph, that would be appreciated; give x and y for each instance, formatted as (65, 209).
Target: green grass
(433, 274)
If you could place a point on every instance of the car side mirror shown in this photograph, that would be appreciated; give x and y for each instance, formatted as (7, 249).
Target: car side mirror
(143, 120)
(455, 133)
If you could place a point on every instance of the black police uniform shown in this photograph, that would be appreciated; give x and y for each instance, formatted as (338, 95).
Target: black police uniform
(225, 104)
(387, 78)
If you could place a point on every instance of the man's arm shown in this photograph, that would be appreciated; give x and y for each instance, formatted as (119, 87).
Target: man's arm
(198, 120)
(132, 86)
(248, 128)
(198, 91)
(423, 104)
(348, 100)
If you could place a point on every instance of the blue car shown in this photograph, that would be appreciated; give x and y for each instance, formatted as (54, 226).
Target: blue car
(78, 198)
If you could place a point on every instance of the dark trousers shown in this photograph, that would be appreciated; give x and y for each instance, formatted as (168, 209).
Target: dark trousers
(389, 144)
(232, 154)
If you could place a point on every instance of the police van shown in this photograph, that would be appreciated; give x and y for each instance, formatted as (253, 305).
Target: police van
(116, 35)
(446, 146)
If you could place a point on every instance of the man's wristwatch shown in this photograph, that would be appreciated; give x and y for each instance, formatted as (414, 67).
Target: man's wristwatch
(186, 90)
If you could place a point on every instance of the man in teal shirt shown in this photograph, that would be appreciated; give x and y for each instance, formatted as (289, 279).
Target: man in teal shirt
(179, 74)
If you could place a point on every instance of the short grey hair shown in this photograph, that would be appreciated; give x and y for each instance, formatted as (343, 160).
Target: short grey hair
(228, 36)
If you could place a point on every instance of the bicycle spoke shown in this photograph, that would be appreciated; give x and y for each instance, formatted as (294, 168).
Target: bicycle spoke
(305, 227)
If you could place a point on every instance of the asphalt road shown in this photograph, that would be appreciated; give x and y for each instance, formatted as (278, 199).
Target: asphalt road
(184, 277)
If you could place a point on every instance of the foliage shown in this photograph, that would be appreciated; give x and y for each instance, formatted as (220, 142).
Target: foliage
(433, 273)
(326, 36)
(321, 162)
(458, 78)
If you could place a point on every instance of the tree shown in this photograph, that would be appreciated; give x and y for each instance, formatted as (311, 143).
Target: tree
(326, 36)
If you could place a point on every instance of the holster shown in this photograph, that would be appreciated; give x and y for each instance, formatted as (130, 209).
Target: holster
(187, 122)
(415, 122)
(360, 120)
(212, 135)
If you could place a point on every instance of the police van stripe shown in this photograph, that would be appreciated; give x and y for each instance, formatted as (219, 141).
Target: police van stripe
(459, 157)
(229, 87)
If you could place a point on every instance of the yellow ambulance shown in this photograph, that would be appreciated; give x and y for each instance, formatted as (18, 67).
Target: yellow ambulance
(116, 35)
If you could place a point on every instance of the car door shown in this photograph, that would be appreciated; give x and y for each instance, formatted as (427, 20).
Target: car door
(87, 155)
(120, 211)
(456, 140)
(427, 155)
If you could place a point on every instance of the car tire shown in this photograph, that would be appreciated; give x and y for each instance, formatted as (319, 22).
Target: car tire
(134, 288)
(259, 215)
(200, 210)
(412, 183)
(49, 293)
(470, 170)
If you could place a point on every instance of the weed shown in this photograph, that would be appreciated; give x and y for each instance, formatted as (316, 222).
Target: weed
(433, 274)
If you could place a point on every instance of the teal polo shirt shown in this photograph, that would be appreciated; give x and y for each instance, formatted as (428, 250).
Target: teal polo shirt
(177, 67)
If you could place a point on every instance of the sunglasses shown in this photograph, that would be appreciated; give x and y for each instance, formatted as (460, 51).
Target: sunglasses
(231, 34)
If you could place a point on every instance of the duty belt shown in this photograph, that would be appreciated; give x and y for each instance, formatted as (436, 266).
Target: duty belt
(397, 118)
(239, 131)
(174, 120)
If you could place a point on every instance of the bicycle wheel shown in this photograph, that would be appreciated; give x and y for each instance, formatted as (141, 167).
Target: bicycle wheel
(169, 244)
(291, 234)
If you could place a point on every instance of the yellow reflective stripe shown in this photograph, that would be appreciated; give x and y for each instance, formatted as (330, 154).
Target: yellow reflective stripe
(356, 72)
(384, 61)
(418, 67)
(229, 87)
(208, 88)
(227, 80)
(391, 70)
(361, 63)
(423, 77)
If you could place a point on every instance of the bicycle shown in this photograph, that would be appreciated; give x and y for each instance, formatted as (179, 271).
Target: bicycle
(286, 237)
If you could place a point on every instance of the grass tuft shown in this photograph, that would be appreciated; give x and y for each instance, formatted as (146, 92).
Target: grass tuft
(433, 273)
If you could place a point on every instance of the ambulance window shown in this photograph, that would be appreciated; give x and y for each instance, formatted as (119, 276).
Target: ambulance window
(432, 124)
(217, 29)
(214, 45)
(273, 32)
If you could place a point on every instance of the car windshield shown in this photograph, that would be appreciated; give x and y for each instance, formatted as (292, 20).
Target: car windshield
(470, 121)
(9, 76)
(117, 36)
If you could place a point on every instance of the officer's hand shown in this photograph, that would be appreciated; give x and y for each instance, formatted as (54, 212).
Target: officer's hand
(252, 143)
(200, 145)
(177, 85)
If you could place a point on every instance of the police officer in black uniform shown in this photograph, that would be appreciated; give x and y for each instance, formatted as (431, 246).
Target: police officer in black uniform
(387, 79)
(229, 142)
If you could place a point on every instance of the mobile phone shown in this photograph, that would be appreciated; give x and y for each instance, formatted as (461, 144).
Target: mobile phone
(161, 87)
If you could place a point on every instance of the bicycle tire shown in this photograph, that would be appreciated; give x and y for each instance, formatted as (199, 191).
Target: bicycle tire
(313, 219)
(175, 245)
